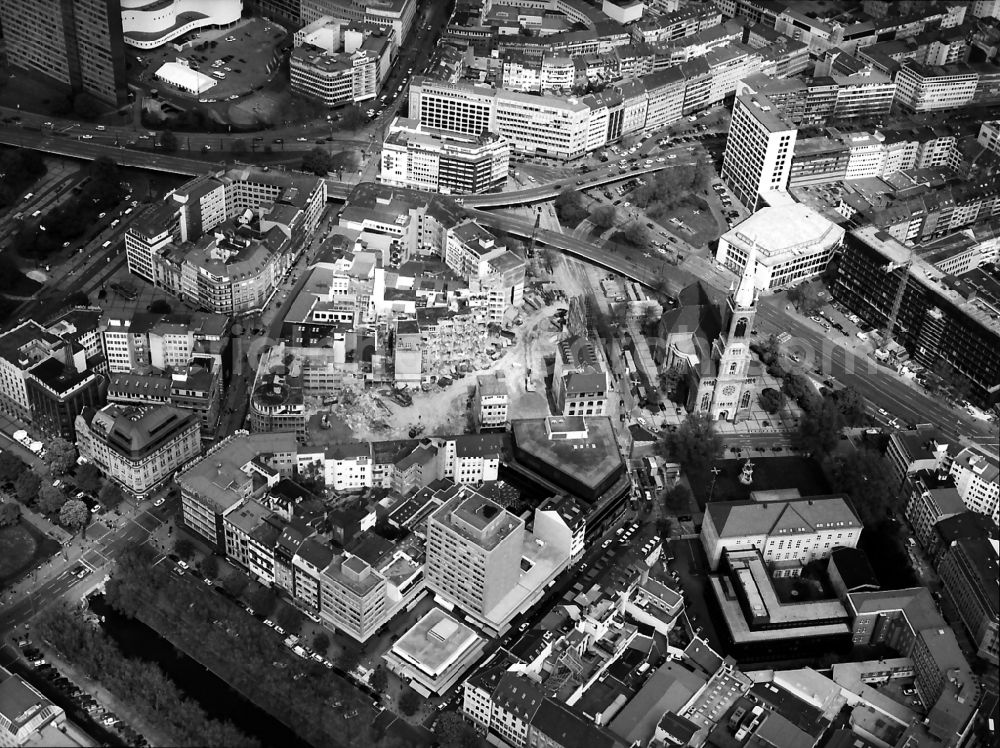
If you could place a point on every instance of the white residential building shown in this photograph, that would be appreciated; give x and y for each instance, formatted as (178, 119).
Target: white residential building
(976, 472)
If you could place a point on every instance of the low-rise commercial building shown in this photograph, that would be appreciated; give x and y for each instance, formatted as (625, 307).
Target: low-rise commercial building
(789, 244)
(27, 718)
(434, 653)
(138, 448)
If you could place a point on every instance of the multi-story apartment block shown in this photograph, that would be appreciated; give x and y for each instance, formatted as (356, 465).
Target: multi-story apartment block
(920, 449)
(473, 553)
(137, 340)
(138, 447)
(491, 402)
(403, 466)
(396, 15)
(77, 44)
(929, 500)
(970, 579)
(580, 382)
(336, 63)
(235, 470)
(668, 27)
(45, 379)
(547, 127)
(922, 88)
(195, 388)
(443, 161)
(940, 317)
(908, 621)
(976, 472)
(789, 243)
(223, 241)
(759, 150)
(286, 378)
(58, 392)
(989, 135)
(788, 534)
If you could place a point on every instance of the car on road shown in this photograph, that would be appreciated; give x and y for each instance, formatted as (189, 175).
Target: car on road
(87, 136)
(159, 501)
(606, 543)
(883, 412)
(302, 140)
(523, 627)
(671, 155)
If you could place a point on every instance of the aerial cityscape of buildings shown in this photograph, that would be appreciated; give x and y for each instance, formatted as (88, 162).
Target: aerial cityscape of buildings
(559, 373)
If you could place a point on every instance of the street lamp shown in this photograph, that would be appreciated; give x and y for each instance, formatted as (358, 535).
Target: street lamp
(715, 474)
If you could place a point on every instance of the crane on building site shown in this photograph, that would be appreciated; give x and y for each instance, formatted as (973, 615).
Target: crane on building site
(897, 302)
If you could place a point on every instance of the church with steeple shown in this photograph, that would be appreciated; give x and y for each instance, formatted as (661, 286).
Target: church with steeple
(708, 340)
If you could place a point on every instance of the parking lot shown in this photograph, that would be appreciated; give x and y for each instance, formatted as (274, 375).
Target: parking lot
(80, 698)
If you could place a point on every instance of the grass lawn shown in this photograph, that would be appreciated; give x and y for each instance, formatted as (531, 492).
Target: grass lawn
(22, 547)
(769, 474)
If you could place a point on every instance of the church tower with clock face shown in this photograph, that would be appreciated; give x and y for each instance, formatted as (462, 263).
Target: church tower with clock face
(734, 386)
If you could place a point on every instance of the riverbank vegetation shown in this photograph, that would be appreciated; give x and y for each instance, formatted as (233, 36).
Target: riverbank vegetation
(317, 704)
(148, 690)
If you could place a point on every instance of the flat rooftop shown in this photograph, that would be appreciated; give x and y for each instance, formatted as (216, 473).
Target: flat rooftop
(435, 641)
(590, 461)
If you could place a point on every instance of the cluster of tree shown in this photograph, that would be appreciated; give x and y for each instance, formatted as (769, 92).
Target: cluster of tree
(569, 207)
(351, 118)
(83, 105)
(409, 702)
(948, 381)
(635, 234)
(20, 167)
(213, 631)
(805, 297)
(453, 731)
(695, 444)
(677, 500)
(825, 417)
(674, 384)
(318, 161)
(865, 476)
(771, 400)
(604, 216)
(143, 684)
(10, 513)
(670, 189)
(74, 217)
(60, 456)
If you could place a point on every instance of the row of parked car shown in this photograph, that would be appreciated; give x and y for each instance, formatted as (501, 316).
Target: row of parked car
(78, 696)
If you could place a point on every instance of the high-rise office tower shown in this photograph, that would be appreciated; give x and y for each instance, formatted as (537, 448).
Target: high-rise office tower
(759, 150)
(77, 43)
